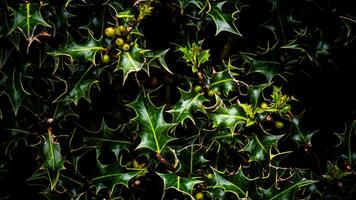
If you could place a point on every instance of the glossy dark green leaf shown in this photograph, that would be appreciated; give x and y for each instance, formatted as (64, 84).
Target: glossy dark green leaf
(237, 183)
(108, 176)
(256, 94)
(160, 56)
(26, 18)
(132, 61)
(266, 68)
(80, 51)
(153, 128)
(80, 87)
(189, 103)
(14, 89)
(259, 146)
(223, 21)
(181, 184)
(347, 143)
(228, 117)
(53, 162)
(191, 158)
(223, 82)
(106, 138)
(298, 135)
(284, 187)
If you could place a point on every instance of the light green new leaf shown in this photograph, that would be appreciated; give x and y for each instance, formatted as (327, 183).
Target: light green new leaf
(237, 184)
(132, 61)
(189, 102)
(228, 117)
(26, 18)
(82, 84)
(223, 82)
(75, 51)
(194, 55)
(53, 162)
(260, 146)
(181, 184)
(223, 21)
(154, 130)
(108, 176)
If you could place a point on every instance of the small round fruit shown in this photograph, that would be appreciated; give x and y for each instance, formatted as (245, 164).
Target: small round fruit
(199, 196)
(198, 89)
(278, 124)
(122, 29)
(105, 58)
(110, 32)
(210, 176)
(126, 47)
(264, 105)
(119, 42)
(211, 93)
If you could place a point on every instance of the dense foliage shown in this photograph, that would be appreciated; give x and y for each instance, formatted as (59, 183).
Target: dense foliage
(177, 99)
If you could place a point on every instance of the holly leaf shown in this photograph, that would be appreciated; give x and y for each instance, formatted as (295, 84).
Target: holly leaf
(190, 158)
(14, 89)
(223, 21)
(53, 162)
(298, 135)
(256, 93)
(82, 84)
(347, 143)
(189, 102)
(108, 176)
(154, 129)
(105, 138)
(228, 117)
(160, 56)
(285, 187)
(26, 18)
(75, 51)
(237, 183)
(181, 184)
(194, 55)
(260, 146)
(223, 81)
(132, 61)
(268, 69)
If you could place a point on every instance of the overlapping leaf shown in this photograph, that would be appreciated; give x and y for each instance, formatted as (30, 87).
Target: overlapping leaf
(223, 21)
(237, 183)
(259, 146)
(80, 51)
(132, 61)
(53, 162)
(108, 176)
(82, 83)
(228, 117)
(181, 184)
(153, 128)
(26, 18)
(189, 102)
(223, 82)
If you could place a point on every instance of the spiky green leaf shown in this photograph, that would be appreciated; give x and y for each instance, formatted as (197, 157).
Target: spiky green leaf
(53, 162)
(181, 184)
(189, 102)
(153, 128)
(26, 18)
(223, 21)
